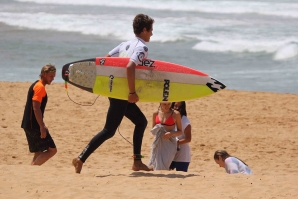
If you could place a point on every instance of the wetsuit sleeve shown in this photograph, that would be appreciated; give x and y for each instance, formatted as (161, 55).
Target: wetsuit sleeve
(140, 53)
(115, 51)
(39, 92)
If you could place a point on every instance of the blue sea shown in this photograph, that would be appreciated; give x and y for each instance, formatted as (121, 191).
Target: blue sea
(248, 45)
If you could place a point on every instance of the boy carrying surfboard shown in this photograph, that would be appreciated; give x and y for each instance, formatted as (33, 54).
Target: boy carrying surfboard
(137, 51)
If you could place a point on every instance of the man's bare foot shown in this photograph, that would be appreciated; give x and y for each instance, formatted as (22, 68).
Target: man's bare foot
(78, 164)
(138, 165)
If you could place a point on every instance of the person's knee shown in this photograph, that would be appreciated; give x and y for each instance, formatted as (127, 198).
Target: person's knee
(52, 151)
(142, 123)
(108, 133)
(145, 122)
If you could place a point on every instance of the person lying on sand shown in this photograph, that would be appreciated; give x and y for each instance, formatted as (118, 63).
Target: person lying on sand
(231, 164)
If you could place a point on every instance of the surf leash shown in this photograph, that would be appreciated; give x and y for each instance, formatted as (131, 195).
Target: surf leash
(135, 156)
(124, 137)
(66, 89)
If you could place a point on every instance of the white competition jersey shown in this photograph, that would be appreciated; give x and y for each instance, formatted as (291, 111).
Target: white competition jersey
(183, 155)
(233, 165)
(135, 48)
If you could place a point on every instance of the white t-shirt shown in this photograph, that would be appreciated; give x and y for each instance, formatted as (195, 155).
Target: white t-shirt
(183, 155)
(233, 165)
(135, 48)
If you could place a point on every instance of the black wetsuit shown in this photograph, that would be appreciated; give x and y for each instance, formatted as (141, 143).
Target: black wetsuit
(118, 109)
(137, 51)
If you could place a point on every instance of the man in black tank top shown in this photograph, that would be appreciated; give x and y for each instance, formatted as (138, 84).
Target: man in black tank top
(39, 139)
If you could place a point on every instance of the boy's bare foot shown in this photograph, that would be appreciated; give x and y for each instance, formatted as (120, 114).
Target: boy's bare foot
(138, 165)
(78, 164)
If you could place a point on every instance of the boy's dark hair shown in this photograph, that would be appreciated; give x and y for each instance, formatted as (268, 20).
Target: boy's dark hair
(140, 22)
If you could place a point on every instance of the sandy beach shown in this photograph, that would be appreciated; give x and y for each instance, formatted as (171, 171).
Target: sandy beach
(258, 127)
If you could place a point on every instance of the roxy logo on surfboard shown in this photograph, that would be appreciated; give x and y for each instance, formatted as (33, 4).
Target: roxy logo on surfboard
(111, 82)
(148, 63)
(166, 90)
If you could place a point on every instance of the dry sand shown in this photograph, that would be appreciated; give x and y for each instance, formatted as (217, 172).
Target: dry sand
(260, 128)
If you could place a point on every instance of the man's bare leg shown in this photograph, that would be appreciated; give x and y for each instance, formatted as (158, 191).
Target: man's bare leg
(36, 154)
(78, 164)
(138, 165)
(41, 157)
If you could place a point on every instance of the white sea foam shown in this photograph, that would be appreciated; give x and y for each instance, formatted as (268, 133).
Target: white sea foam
(287, 51)
(283, 49)
(283, 9)
(181, 28)
(196, 29)
(85, 24)
(238, 46)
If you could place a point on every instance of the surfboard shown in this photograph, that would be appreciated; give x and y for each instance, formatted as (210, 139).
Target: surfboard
(155, 81)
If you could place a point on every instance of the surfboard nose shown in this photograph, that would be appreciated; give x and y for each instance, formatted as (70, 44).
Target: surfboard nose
(65, 72)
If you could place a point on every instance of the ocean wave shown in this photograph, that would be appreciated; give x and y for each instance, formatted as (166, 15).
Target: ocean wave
(84, 24)
(212, 35)
(282, 49)
(286, 52)
(281, 9)
(182, 29)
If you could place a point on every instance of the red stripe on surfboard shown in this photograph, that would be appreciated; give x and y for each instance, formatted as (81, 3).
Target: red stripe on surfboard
(159, 65)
